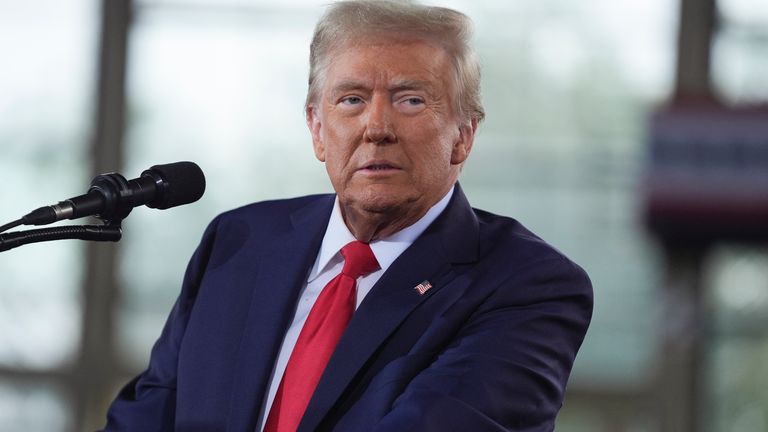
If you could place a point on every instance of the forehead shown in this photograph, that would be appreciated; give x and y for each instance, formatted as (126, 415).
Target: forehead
(388, 61)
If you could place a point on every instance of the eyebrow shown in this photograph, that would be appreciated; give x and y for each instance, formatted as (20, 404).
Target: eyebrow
(407, 84)
(396, 86)
(349, 85)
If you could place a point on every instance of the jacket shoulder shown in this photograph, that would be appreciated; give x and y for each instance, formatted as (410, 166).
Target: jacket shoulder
(271, 209)
(503, 236)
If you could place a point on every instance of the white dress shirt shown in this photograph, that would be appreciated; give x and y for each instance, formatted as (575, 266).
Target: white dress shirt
(329, 263)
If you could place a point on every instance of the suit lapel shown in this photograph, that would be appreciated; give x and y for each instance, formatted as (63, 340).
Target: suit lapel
(283, 264)
(451, 239)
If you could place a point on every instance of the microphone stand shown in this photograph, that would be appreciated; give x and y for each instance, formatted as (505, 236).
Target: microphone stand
(111, 197)
(110, 231)
(106, 191)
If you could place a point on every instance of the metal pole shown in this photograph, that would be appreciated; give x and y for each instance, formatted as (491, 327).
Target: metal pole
(97, 366)
(682, 376)
(694, 47)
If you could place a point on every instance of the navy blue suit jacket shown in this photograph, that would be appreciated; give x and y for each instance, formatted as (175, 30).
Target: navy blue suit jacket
(488, 348)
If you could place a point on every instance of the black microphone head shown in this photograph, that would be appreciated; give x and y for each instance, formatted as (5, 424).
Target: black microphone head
(178, 183)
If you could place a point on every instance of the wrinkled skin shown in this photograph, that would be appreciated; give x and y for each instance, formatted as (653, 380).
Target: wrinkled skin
(388, 131)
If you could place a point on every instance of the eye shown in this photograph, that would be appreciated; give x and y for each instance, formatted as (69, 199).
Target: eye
(352, 100)
(414, 101)
(411, 104)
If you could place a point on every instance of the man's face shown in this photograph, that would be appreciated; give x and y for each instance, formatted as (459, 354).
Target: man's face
(386, 126)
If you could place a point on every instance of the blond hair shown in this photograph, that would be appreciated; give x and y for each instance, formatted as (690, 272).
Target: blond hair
(346, 21)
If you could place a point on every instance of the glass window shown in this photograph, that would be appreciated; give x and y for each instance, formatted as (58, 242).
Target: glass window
(737, 282)
(33, 408)
(737, 276)
(740, 52)
(46, 85)
(44, 131)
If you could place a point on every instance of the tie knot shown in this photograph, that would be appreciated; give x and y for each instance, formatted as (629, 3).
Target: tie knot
(358, 259)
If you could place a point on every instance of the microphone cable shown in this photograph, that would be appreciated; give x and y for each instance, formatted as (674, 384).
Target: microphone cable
(13, 224)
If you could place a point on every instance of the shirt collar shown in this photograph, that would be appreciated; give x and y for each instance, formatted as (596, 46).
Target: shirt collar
(386, 250)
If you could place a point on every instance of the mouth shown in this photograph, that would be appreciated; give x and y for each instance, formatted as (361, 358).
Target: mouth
(379, 167)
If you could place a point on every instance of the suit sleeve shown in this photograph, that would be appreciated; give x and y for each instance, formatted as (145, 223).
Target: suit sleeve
(507, 368)
(148, 402)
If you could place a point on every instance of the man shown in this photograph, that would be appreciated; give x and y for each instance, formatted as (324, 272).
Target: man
(391, 305)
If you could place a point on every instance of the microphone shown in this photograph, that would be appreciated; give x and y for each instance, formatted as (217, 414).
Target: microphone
(111, 197)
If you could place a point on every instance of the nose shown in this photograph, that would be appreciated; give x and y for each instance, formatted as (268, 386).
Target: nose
(379, 128)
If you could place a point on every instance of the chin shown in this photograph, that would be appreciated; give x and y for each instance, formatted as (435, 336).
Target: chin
(384, 199)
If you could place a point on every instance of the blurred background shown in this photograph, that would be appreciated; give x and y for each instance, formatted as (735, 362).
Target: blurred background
(632, 135)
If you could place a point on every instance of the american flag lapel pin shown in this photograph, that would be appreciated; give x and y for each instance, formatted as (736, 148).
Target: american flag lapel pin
(423, 287)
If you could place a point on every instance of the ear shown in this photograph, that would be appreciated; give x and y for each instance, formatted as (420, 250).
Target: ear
(463, 144)
(314, 124)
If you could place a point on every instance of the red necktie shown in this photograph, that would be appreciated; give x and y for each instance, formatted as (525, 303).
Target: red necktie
(318, 338)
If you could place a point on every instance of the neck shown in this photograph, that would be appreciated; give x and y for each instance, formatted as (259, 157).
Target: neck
(368, 226)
